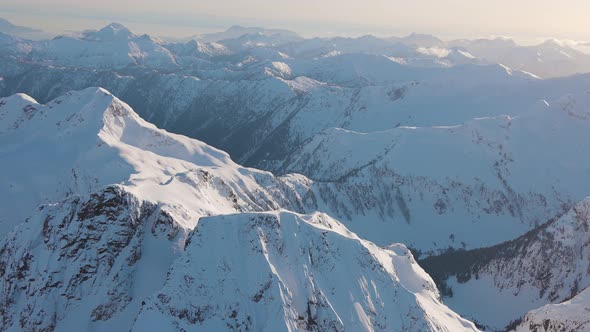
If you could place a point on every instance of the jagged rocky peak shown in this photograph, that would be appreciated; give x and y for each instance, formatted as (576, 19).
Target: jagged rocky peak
(282, 271)
(80, 262)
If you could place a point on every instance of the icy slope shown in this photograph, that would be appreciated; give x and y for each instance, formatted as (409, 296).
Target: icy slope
(286, 272)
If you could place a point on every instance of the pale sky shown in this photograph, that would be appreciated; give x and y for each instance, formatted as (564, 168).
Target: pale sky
(520, 19)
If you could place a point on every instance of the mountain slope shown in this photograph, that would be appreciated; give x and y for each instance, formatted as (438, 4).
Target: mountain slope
(548, 59)
(477, 184)
(118, 199)
(113, 46)
(284, 272)
(547, 265)
(570, 315)
(77, 264)
(8, 27)
(90, 139)
(271, 110)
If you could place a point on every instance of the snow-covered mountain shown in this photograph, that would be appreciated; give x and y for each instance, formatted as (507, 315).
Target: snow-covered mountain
(8, 27)
(120, 201)
(570, 315)
(495, 178)
(439, 145)
(195, 49)
(550, 264)
(86, 140)
(110, 47)
(274, 111)
(238, 31)
(548, 59)
(378, 93)
(113, 46)
(294, 272)
(86, 262)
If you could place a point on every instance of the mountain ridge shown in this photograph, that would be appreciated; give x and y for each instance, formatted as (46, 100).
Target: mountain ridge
(99, 257)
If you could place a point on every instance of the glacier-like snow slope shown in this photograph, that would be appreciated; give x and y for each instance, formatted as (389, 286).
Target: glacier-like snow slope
(285, 272)
(550, 264)
(119, 200)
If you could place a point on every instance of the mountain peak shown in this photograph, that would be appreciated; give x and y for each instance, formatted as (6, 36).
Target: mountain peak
(89, 96)
(113, 31)
(101, 141)
(115, 28)
(96, 107)
(86, 109)
(423, 40)
(236, 27)
(286, 269)
(8, 27)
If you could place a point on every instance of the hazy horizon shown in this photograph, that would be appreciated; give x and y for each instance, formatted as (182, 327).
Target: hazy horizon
(451, 20)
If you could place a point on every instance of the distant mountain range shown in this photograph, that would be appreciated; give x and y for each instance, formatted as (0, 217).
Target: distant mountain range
(25, 32)
(237, 31)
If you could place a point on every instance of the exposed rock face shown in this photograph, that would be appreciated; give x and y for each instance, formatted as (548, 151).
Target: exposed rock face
(85, 260)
